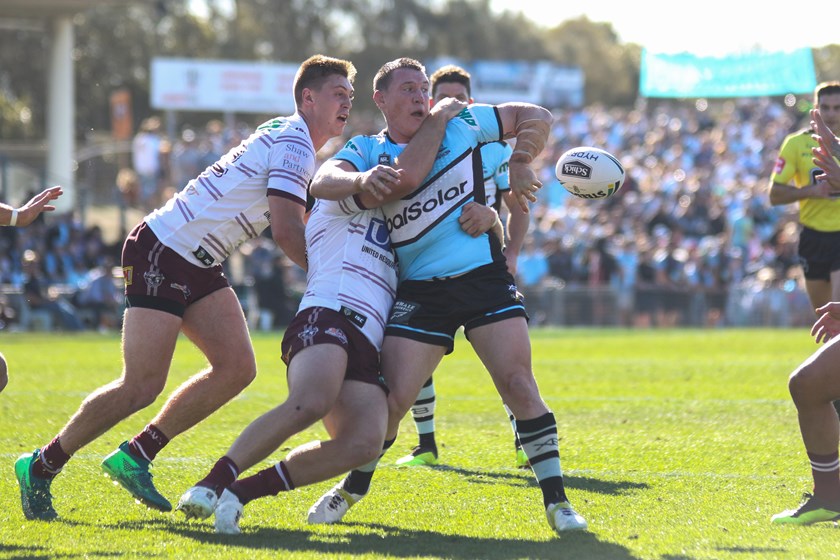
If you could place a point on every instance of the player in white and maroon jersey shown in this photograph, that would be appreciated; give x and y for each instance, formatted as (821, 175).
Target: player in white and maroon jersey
(175, 283)
(332, 352)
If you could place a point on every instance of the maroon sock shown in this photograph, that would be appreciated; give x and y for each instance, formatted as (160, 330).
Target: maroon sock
(148, 443)
(222, 475)
(267, 482)
(826, 472)
(51, 460)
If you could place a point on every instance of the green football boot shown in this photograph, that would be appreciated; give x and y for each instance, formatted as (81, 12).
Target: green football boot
(35, 497)
(419, 456)
(812, 510)
(132, 473)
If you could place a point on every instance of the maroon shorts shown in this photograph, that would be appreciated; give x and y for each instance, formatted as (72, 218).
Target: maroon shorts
(319, 325)
(156, 277)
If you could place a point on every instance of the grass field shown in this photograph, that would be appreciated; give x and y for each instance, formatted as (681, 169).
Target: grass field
(676, 445)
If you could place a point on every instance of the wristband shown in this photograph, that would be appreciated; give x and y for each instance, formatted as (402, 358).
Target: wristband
(13, 219)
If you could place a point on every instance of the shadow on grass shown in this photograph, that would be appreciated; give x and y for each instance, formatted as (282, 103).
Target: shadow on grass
(39, 552)
(526, 478)
(384, 540)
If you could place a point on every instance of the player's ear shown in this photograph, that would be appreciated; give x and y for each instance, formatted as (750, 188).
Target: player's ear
(307, 96)
(378, 98)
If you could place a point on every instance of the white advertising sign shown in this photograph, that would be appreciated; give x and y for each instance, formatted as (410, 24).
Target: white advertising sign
(183, 84)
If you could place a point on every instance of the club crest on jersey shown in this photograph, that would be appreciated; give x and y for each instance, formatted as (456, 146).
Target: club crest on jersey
(153, 279)
(337, 333)
(384, 159)
(402, 311)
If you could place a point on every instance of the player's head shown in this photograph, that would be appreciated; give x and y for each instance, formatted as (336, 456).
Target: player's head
(323, 91)
(827, 100)
(401, 91)
(451, 81)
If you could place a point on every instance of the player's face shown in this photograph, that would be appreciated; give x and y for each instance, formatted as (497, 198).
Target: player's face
(829, 106)
(405, 103)
(451, 89)
(333, 101)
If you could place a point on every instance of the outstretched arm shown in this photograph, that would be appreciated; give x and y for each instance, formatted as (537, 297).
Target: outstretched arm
(27, 213)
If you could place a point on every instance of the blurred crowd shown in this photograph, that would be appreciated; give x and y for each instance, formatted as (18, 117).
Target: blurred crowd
(689, 240)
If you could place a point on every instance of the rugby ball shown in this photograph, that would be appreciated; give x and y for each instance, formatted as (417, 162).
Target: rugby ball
(589, 172)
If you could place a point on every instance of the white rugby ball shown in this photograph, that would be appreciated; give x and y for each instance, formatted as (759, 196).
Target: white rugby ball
(589, 172)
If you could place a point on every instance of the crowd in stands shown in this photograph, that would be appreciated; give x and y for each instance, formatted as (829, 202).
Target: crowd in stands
(690, 239)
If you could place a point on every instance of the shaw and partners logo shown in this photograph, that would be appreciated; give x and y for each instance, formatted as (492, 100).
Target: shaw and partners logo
(416, 210)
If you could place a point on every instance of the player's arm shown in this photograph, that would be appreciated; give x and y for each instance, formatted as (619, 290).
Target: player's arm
(781, 193)
(517, 228)
(339, 179)
(476, 219)
(287, 227)
(828, 325)
(530, 125)
(26, 214)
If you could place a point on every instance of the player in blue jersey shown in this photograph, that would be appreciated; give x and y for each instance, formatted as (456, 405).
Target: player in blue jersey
(452, 81)
(449, 279)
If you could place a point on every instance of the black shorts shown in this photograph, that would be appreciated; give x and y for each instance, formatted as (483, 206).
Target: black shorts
(431, 311)
(819, 253)
(156, 277)
(319, 325)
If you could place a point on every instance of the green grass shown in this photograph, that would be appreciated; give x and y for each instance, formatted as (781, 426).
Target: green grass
(675, 444)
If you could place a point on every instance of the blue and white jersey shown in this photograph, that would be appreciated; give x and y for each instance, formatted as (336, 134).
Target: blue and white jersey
(423, 226)
(495, 158)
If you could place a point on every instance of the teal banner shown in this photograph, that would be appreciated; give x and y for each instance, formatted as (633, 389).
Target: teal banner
(742, 75)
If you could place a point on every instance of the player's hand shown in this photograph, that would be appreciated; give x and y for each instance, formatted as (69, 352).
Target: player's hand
(523, 183)
(38, 204)
(379, 181)
(828, 325)
(447, 108)
(476, 218)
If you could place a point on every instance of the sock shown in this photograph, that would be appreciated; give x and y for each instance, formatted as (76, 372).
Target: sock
(516, 443)
(539, 441)
(51, 460)
(223, 474)
(267, 482)
(826, 472)
(148, 443)
(423, 411)
(358, 481)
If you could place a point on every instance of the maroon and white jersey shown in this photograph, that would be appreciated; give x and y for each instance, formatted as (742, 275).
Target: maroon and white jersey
(227, 204)
(352, 268)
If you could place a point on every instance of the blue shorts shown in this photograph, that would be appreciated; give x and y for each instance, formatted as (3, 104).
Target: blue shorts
(432, 311)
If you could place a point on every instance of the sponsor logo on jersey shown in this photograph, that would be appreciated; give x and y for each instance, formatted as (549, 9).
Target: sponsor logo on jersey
(337, 333)
(128, 275)
(577, 169)
(153, 278)
(415, 210)
(354, 316)
(351, 146)
(402, 311)
(377, 234)
(780, 164)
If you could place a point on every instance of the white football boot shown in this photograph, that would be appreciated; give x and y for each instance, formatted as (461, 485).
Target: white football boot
(332, 506)
(198, 502)
(228, 513)
(561, 517)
